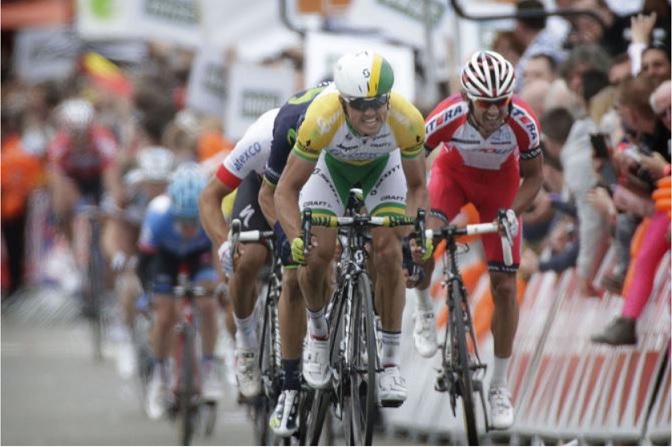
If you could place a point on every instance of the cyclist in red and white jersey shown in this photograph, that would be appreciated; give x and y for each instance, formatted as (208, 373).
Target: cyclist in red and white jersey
(489, 140)
(81, 161)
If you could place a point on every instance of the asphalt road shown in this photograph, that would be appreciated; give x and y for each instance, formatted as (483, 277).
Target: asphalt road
(55, 393)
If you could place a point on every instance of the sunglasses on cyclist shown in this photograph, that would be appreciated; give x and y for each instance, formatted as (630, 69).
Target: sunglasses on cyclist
(362, 104)
(486, 103)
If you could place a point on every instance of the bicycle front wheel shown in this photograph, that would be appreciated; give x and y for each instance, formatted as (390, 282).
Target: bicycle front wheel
(362, 354)
(463, 367)
(187, 410)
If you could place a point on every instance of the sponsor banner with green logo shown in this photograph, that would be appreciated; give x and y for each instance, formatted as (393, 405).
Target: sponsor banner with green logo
(253, 90)
(322, 50)
(175, 21)
(108, 19)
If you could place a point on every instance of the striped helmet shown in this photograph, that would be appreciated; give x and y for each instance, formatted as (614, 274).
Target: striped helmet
(363, 75)
(488, 75)
(184, 190)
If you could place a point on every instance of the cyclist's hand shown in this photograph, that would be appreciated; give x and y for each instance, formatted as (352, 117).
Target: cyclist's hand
(225, 258)
(512, 223)
(416, 251)
(281, 242)
(297, 250)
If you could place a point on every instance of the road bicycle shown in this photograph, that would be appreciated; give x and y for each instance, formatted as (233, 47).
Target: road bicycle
(353, 353)
(87, 236)
(269, 347)
(462, 371)
(187, 406)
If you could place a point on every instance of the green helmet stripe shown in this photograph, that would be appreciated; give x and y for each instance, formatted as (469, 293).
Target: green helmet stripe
(386, 78)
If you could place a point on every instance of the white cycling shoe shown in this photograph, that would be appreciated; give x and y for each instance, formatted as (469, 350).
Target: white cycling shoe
(424, 333)
(248, 375)
(501, 409)
(212, 388)
(316, 363)
(157, 394)
(392, 390)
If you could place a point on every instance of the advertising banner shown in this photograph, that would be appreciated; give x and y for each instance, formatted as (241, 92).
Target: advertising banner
(44, 54)
(206, 90)
(253, 90)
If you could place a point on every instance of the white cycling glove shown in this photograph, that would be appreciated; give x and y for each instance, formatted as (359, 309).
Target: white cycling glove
(513, 222)
(225, 258)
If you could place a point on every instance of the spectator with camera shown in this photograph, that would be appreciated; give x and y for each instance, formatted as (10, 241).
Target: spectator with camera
(622, 330)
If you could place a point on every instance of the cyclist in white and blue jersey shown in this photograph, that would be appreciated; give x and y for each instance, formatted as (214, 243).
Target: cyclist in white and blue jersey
(172, 238)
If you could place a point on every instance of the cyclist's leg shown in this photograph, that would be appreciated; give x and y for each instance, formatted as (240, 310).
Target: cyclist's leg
(65, 195)
(318, 195)
(164, 303)
(386, 197)
(243, 286)
(504, 321)
(165, 317)
(204, 275)
(243, 283)
(446, 196)
(292, 320)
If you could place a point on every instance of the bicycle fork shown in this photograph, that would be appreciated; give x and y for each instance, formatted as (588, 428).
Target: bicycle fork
(447, 380)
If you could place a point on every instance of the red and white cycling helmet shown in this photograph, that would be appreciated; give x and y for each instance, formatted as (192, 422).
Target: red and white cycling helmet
(488, 75)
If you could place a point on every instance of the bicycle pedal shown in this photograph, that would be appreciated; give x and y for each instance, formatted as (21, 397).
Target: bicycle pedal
(440, 385)
(391, 403)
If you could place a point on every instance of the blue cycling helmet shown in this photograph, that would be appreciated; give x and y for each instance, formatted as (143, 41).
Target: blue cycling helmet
(184, 189)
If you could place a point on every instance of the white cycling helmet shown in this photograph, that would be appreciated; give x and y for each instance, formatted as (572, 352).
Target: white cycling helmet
(156, 163)
(76, 114)
(363, 75)
(488, 75)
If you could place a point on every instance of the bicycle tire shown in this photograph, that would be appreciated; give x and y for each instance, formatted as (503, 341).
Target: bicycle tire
(463, 368)
(317, 416)
(95, 290)
(187, 388)
(361, 403)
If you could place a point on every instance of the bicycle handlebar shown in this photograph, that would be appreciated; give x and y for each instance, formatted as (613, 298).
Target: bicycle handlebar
(308, 220)
(474, 229)
(376, 221)
(185, 287)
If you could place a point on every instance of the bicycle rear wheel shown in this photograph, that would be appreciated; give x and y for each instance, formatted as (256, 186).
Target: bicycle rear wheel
(463, 367)
(187, 410)
(94, 290)
(359, 403)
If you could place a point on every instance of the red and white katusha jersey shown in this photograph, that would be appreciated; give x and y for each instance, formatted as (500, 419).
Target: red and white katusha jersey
(519, 136)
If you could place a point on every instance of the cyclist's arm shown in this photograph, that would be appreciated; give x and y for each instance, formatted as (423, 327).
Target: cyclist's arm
(416, 196)
(296, 174)
(531, 173)
(144, 270)
(266, 202)
(113, 183)
(210, 210)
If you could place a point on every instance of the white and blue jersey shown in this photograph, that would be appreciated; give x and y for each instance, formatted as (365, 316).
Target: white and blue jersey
(171, 251)
(160, 232)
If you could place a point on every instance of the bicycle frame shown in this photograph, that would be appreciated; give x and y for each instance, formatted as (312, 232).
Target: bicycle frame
(462, 373)
(187, 388)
